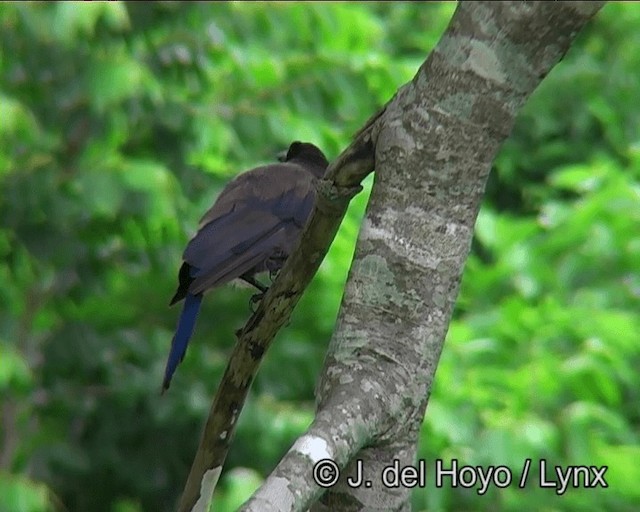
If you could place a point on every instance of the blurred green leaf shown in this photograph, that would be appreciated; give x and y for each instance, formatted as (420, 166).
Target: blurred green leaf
(18, 494)
(237, 485)
(14, 371)
(622, 467)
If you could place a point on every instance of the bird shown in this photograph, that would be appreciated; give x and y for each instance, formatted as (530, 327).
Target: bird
(252, 227)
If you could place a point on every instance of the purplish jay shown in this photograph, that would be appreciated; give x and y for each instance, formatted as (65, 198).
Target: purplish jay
(252, 227)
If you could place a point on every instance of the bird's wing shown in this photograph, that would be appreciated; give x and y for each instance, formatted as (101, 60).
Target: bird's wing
(238, 264)
(252, 220)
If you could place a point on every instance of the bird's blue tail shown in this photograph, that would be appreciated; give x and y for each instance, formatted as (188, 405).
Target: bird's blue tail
(186, 323)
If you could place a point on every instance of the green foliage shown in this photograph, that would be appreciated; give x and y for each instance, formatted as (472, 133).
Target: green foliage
(19, 493)
(119, 124)
(541, 360)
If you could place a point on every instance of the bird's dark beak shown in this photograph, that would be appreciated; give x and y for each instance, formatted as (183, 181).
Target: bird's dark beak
(282, 156)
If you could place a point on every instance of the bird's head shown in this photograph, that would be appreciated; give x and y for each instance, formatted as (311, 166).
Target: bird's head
(306, 154)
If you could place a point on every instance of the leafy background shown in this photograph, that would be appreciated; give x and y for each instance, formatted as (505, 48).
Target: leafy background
(119, 124)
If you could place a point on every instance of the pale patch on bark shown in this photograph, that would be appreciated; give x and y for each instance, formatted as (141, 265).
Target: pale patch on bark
(277, 492)
(208, 484)
(484, 62)
(313, 447)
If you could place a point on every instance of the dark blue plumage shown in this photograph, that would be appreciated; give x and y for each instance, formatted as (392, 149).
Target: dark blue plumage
(184, 331)
(252, 227)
